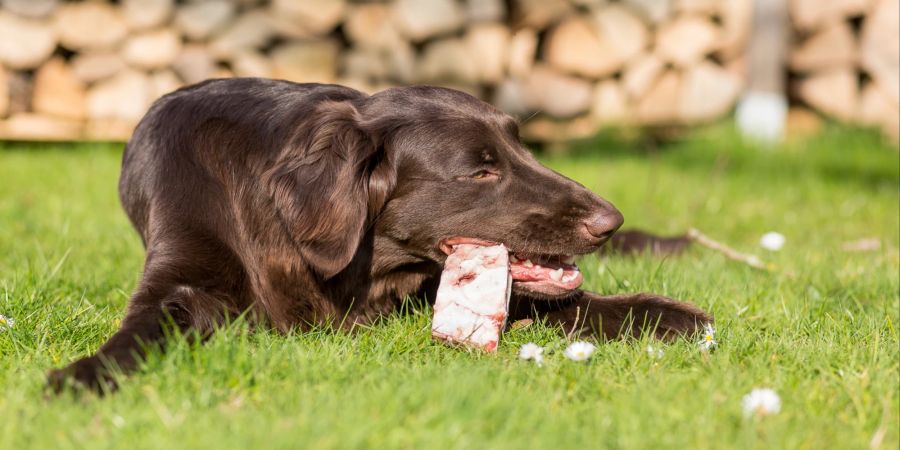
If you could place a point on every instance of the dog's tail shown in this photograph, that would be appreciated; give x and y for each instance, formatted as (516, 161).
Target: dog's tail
(631, 242)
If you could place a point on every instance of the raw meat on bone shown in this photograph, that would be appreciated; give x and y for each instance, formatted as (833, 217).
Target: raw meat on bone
(473, 297)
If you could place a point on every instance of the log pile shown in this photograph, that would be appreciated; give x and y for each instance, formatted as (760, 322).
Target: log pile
(90, 69)
(845, 61)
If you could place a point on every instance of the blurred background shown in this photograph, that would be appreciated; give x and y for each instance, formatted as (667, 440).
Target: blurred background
(646, 102)
(88, 70)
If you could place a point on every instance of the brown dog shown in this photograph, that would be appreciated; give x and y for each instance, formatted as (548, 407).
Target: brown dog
(309, 204)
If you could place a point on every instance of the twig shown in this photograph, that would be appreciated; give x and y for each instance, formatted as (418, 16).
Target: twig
(730, 253)
(862, 245)
(574, 324)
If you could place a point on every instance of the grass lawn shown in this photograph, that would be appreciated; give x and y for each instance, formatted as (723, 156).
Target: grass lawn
(822, 331)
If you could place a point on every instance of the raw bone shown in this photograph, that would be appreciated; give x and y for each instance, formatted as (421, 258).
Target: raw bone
(473, 297)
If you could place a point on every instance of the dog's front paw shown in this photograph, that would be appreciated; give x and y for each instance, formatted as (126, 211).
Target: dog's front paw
(85, 374)
(636, 314)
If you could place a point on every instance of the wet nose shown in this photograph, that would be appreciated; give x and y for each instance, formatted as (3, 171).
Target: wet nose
(603, 224)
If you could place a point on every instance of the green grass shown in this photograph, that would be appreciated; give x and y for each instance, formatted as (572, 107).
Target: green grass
(821, 331)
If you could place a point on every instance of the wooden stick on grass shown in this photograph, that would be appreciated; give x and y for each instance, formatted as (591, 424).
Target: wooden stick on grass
(730, 253)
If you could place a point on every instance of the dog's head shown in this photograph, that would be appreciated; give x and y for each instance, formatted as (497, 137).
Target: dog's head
(435, 167)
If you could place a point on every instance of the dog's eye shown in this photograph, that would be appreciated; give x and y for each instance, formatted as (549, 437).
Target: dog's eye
(485, 175)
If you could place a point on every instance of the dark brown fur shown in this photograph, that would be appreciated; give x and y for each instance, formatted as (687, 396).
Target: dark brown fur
(631, 242)
(303, 204)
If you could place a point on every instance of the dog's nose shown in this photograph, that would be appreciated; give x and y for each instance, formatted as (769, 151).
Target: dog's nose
(603, 225)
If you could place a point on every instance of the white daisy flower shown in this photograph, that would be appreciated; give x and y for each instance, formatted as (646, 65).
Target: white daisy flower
(772, 241)
(709, 337)
(761, 402)
(579, 350)
(118, 421)
(655, 352)
(532, 351)
(6, 322)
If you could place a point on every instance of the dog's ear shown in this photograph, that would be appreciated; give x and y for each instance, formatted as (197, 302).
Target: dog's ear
(328, 185)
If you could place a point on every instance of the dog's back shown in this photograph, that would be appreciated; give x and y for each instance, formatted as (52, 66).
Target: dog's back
(197, 135)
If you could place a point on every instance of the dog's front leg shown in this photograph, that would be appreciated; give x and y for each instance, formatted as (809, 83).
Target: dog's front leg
(144, 327)
(614, 316)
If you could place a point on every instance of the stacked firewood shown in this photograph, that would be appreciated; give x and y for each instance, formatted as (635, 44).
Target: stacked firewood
(845, 62)
(90, 69)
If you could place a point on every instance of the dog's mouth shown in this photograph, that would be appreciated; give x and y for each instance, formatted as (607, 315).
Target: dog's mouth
(548, 275)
